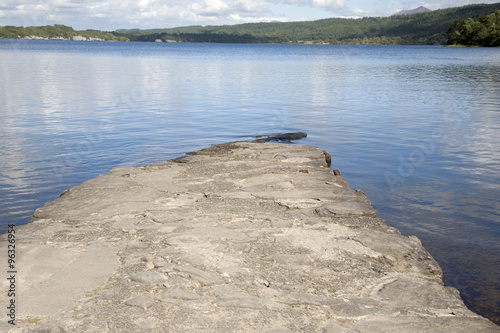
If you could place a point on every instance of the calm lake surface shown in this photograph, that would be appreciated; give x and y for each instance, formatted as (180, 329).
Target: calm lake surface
(416, 128)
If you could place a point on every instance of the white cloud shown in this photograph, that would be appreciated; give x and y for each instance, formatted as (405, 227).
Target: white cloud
(324, 4)
(359, 11)
(237, 10)
(328, 4)
(293, 2)
(252, 6)
(210, 8)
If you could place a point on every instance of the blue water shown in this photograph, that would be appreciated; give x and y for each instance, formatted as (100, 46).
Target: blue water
(415, 127)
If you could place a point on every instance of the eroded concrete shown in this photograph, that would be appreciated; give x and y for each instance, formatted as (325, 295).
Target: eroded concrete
(242, 237)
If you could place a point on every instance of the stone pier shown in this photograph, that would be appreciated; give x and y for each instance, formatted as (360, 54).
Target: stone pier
(240, 237)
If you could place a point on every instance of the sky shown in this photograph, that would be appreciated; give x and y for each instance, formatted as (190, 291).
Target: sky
(109, 15)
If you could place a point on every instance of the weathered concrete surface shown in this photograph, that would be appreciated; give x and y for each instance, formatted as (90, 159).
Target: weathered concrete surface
(242, 237)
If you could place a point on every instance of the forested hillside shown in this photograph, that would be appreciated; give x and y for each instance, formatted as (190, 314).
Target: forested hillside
(422, 28)
(484, 31)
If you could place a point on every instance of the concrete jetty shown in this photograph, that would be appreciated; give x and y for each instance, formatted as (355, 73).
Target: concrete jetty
(239, 237)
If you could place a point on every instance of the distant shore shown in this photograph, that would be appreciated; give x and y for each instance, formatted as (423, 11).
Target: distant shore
(437, 27)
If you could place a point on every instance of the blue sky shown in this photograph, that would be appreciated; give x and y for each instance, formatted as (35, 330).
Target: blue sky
(115, 14)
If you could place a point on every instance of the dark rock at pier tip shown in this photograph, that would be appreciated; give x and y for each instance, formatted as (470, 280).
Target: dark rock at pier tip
(285, 137)
(238, 237)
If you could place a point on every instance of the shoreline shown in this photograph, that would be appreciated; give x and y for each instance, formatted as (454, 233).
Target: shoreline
(241, 231)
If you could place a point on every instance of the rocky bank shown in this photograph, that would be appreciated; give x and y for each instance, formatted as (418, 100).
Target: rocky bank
(240, 237)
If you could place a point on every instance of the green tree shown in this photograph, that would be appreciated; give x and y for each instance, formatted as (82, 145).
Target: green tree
(482, 31)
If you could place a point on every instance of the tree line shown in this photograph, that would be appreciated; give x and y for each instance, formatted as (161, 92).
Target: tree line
(56, 31)
(483, 31)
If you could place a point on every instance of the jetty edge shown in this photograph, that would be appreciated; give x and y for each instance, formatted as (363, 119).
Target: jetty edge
(238, 237)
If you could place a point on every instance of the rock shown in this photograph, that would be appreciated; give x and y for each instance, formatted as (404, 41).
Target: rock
(260, 281)
(240, 301)
(346, 208)
(246, 242)
(149, 278)
(286, 137)
(328, 158)
(277, 223)
(234, 272)
(292, 259)
(141, 302)
(178, 293)
(334, 328)
(360, 192)
(48, 328)
(138, 245)
(205, 278)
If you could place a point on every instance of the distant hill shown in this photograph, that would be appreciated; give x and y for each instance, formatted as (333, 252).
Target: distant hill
(425, 28)
(420, 9)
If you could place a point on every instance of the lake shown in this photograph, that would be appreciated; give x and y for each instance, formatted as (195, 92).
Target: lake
(417, 128)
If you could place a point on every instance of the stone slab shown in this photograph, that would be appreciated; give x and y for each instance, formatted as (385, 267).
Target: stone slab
(241, 237)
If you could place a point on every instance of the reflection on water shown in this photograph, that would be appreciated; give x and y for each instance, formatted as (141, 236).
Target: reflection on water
(417, 128)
